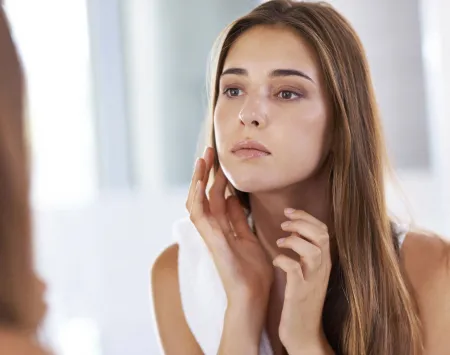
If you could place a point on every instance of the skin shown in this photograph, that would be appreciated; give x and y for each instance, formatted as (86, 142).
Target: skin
(15, 341)
(289, 115)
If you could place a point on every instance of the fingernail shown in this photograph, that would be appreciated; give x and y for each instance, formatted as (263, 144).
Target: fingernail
(280, 241)
(206, 148)
(289, 210)
(285, 224)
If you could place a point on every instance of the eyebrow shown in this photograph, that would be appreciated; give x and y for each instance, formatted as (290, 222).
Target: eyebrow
(273, 74)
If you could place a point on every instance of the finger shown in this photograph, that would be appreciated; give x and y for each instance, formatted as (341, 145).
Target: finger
(300, 214)
(196, 211)
(314, 234)
(199, 169)
(291, 267)
(217, 191)
(217, 202)
(207, 228)
(294, 279)
(208, 156)
(238, 218)
(310, 255)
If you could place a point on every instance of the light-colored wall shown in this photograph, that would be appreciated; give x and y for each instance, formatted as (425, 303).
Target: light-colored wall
(436, 53)
(391, 33)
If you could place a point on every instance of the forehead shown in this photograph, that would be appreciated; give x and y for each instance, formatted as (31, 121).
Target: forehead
(264, 48)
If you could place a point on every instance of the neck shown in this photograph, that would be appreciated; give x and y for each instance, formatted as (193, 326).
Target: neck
(267, 208)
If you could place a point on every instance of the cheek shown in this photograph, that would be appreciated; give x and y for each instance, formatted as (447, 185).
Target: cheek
(304, 138)
(225, 121)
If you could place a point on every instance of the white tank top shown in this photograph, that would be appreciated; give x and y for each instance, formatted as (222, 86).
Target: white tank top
(202, 294)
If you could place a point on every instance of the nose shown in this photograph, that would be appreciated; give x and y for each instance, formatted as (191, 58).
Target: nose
(253, 113)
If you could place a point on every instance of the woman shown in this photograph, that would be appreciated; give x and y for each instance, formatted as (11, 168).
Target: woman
(318, 267)
(21, 305)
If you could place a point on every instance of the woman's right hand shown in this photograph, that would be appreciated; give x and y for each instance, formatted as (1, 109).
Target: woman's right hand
(244, 268)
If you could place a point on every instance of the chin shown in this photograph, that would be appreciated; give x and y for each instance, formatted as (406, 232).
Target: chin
(251, 183)
(256, 181)
(254, 178)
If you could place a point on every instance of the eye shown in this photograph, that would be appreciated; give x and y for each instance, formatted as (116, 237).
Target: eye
(233, 92)
(288, 95)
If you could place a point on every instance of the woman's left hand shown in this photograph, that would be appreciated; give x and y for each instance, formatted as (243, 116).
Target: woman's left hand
(300, 329)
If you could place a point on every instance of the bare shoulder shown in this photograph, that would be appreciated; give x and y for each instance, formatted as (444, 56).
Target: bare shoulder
(426, 258)
(174, 334)
(16, 343)
(166, 265)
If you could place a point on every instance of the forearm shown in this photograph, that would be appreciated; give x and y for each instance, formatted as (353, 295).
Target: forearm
(241, 335)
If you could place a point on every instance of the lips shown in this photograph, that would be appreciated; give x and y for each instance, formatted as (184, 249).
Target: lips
(250, 145)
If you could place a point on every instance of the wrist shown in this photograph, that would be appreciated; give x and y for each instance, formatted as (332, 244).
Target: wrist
(248, 307)
(241, 335)
(247, 320)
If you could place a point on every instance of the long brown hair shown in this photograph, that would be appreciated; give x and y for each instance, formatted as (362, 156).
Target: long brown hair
(369, 308)
(17, 280)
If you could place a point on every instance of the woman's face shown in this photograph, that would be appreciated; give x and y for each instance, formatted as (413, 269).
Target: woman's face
(271, 92)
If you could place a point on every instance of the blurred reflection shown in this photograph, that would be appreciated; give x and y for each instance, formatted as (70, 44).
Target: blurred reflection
(53, 39)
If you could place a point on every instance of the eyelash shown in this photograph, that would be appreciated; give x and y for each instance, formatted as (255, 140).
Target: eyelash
(227, 92)
(298, 95)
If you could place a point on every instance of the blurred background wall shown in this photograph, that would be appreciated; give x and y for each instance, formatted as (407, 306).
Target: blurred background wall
(116, 93)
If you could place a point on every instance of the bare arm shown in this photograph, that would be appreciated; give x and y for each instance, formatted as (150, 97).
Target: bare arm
(427, 261)
(174, 334)
(238, 337)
